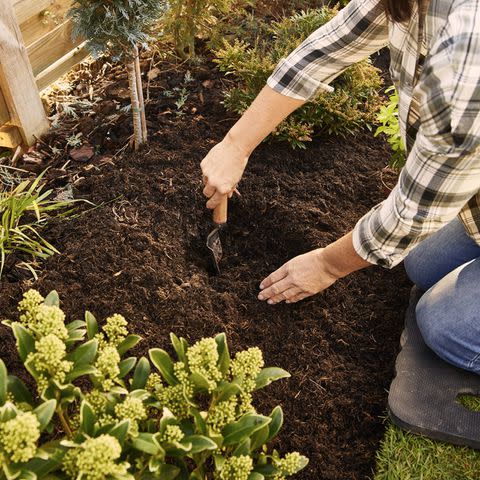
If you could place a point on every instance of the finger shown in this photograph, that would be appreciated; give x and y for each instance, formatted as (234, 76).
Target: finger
(204, 179)
(209, 190)
(236, 192)
(284, 296)
(275, 289)
(274, 277)
(215, 200)
(230, 195)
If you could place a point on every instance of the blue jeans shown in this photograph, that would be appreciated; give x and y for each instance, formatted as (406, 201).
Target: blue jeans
(447, 267)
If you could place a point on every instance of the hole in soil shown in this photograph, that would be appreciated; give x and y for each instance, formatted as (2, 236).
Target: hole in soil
(469, 401)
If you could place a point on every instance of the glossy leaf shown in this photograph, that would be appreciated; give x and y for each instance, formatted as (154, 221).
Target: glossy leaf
(52, 299)
(129, 342)
(44, 413)
(238, 431)
(140, 376)
(3, 382)
(126, 366)
(162, 361)
(92, 325)
(269, 375)
(25, 340)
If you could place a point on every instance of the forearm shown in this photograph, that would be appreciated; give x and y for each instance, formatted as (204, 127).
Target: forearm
(341, 258)
(261, 118)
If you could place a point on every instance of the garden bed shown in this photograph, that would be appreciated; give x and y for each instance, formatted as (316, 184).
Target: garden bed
(142, 254)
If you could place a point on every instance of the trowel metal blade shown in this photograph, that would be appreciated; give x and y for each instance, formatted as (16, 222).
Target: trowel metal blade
(214, 244)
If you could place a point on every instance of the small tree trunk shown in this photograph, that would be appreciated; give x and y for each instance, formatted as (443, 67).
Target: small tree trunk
(137, 121)
(141, 101)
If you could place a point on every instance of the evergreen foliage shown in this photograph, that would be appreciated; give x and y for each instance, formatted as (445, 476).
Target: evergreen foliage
(115, 26)
(352, 105)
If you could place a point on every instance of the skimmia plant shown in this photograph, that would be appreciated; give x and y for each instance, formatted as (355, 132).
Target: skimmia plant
(104, 415)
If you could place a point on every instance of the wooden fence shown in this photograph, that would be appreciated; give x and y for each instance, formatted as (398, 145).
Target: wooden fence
(35, 50)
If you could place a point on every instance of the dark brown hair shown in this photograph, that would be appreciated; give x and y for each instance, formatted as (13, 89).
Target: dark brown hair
(398, 10)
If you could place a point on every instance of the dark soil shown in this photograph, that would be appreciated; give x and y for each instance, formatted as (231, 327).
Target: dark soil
(143, 255)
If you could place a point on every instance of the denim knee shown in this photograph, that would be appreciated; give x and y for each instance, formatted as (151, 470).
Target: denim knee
(448, 316)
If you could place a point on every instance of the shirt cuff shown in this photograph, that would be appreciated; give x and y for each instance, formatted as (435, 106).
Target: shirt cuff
(371, 248)
(289, 80)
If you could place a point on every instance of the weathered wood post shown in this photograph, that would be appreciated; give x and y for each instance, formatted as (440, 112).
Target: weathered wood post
(27, 118)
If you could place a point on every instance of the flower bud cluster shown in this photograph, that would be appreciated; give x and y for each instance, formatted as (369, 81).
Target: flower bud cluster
(131, 409)
(18, 437)
(236, 468)
(222, 414)
(42, 319)
(172, 434)
(49, 360)
(107, 366)
(247, 365)
(116, 329)
(98, 401)
(95, 459)
(175, 398)
(203, 359)
(289, 465)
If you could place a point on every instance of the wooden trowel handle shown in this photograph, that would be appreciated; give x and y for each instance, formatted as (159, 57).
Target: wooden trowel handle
(221, 211)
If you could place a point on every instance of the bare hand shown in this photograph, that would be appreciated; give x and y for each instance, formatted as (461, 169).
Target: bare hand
(222, 170)
(299, 278)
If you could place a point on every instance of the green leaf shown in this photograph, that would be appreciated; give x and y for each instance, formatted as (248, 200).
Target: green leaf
(243, 449)
(269, 375)
(3, 382)
(80, 370)
(260, 437)
(52, 299)
(256, 476)
(226, 390)
(199, 421)
(44, 413)
(120, 431)
(92, 325)
(25, 340)
(140, 376)
(75, 325)
(19, 391)
(224, 354)
(238, 431)
(200, 443)
(199, 381)
(126, 366)
(145, 442)
(128, 343)
(168, 472)
(87, 418)
(180, 345)
(162, 361)
(84, 354)
(276, 424)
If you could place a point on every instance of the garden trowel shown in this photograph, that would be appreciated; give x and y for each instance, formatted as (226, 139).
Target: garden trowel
(214, 243)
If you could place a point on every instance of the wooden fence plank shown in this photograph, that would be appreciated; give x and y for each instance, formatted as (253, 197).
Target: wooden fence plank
(50, 48)
(16, 79)
(25, 9)
(40, 24)
(61, 67)
(4, 113)
(10, 137)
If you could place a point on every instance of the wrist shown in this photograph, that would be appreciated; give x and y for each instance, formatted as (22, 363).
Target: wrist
(327, 265)
(238, 141)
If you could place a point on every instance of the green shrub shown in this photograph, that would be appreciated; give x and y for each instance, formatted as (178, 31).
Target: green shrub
(191, 419)
(389, 126)
(352, 105)
(187, 20)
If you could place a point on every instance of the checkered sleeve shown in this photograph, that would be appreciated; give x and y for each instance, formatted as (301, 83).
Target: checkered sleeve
(359, 30)
(442, 172)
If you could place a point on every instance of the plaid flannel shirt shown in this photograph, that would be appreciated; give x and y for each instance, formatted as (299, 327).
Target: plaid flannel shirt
(435, 65)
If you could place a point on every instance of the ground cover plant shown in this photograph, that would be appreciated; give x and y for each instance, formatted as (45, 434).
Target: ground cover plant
(25, 208)
(352, 106)
(192, 418)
